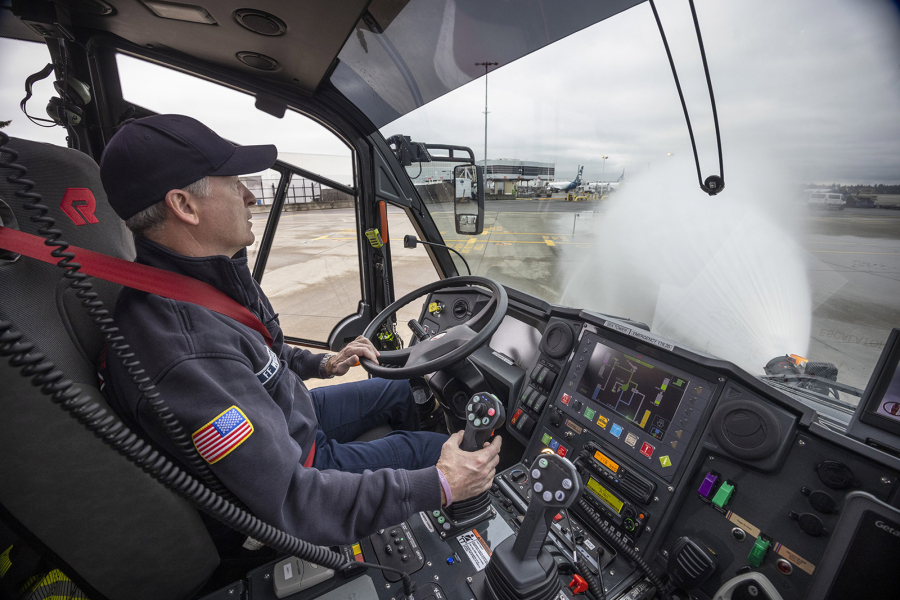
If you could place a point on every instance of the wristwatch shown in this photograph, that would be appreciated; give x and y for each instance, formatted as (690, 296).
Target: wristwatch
(323, 367)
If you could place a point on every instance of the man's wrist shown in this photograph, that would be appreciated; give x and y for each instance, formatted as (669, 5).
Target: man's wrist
(323, 367)
(447, 494)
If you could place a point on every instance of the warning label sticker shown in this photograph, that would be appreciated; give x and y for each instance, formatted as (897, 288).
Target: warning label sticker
(475, 548)
(795, 558)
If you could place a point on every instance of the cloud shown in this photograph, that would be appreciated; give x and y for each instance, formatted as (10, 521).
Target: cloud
(814, 86)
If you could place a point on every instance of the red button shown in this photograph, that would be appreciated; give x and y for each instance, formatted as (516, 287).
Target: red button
(561, 450)
(565, 398)
(491, 412)
(557, 517)
(647, 450)
(516, 416)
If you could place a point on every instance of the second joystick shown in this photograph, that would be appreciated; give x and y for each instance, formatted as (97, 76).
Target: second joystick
(484, 414)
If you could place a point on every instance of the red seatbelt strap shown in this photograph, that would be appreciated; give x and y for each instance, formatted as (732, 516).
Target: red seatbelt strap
(140, 277)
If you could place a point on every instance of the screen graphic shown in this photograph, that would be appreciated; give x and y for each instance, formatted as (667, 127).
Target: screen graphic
(645, 395)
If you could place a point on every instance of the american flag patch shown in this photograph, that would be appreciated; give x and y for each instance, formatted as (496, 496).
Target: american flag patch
(222, 435)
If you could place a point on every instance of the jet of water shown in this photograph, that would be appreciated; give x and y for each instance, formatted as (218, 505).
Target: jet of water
(722, 275)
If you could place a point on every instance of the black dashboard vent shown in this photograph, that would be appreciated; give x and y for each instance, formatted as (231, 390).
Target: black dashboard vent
(460, 309)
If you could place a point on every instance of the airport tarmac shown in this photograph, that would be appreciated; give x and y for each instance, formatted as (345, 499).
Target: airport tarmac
(312, 276)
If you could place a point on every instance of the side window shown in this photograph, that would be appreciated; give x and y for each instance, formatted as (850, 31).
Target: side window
(312, 274)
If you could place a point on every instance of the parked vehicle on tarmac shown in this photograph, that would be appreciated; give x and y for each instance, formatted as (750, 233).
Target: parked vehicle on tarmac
(825, 200)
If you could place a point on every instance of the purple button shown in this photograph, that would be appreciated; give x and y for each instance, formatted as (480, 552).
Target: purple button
(708, 484)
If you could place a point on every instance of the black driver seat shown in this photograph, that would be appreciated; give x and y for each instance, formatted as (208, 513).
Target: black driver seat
(113, 529)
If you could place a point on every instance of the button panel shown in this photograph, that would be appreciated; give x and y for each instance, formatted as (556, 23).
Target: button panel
(397, 547)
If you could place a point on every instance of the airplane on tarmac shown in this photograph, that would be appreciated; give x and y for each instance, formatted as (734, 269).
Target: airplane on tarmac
(566, 186)
(606, 186)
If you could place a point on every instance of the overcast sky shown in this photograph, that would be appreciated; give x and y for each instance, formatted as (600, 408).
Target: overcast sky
(809, 87)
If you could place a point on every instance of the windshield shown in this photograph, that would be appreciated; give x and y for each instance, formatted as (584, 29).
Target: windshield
(765, 269)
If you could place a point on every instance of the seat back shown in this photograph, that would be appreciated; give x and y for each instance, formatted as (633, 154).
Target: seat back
(113, 527)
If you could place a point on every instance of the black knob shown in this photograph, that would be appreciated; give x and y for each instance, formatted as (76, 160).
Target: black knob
(395, 532)
(401, 549)
(518, 476)
(404, 557)
(556, 417)
(388, 549)
(480, 410)
(569, 435)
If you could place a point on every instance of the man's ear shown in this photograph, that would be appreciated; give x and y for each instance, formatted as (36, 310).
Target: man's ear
(183, 207)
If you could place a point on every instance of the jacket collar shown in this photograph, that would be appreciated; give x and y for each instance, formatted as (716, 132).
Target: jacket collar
(229, 275)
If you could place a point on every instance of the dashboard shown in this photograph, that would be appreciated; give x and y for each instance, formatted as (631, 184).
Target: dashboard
(673, 450)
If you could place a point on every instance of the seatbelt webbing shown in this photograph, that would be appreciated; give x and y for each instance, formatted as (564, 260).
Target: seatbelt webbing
(140, 277)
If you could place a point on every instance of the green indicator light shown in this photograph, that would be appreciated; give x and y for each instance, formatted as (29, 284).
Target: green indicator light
(546, 439)
(436, 514)
(542, 463)
(724, 494)
(758, 552)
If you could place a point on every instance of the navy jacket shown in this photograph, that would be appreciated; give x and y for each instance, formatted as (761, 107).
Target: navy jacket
(204, 364)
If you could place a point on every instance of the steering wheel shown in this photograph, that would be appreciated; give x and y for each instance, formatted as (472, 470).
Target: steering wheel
(449, 346)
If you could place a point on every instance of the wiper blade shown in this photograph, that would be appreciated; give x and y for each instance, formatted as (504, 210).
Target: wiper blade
(826, 390)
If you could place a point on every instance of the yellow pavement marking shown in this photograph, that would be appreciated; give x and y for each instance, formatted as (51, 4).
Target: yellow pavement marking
(468, 247)
(548, 241)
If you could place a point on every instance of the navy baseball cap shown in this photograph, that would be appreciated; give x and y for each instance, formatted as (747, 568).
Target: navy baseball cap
(149, 157)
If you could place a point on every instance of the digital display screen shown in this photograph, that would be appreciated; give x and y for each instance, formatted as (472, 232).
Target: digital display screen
(605, 495)
(606, 462)
(645, 395)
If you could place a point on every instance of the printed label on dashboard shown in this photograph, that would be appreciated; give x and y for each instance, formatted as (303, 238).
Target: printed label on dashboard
(795, 558)
(641, 335)
(475, 548)
(504, 358)
(574, 426)
(427, 522)
(747, 526)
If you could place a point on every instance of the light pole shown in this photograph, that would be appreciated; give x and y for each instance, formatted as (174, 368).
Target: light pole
(486, 66)
(603, 175)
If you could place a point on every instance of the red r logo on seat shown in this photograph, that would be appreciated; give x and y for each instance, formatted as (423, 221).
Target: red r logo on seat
(79, 205)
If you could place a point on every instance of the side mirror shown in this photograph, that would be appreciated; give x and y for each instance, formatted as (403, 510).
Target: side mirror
(468, 199)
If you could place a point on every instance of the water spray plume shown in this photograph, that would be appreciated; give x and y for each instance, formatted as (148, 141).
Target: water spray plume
(722, 275)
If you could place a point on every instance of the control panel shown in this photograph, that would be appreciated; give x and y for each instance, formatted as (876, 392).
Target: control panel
(646, 409)
(534, 396)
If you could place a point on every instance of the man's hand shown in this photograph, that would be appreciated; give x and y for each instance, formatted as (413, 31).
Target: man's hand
(348, 357)
(468, 473)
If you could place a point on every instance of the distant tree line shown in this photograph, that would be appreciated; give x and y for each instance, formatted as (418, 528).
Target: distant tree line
(879, 188)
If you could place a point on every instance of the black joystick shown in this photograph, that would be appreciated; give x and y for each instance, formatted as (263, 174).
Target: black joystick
(484, 414)
(520, 568)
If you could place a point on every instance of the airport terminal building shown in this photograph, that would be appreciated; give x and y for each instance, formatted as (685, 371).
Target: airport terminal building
(505, 173)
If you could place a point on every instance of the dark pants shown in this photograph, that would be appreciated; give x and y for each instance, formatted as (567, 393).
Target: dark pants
(347, 410)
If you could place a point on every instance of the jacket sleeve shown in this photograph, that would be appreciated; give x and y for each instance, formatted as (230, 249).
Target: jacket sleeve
(264, 469)
(303, 362)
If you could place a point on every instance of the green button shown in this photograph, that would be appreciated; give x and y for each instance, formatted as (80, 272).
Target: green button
(724, 494)
(665, 461)
(436, 513)
(546, 439)
(589, 413)
(758, 552)
(440, 520)
(542, 463)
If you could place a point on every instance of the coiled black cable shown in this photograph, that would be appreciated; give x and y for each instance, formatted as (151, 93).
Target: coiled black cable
(595, 587)
(96, 310)
(45, 375)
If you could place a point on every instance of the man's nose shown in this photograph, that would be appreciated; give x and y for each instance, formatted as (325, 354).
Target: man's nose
(249, 198)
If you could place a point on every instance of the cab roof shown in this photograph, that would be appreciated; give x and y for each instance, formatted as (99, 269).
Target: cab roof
(388, 57)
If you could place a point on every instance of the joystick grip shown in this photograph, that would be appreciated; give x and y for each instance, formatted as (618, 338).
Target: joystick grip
(484, 413)
(555, 486)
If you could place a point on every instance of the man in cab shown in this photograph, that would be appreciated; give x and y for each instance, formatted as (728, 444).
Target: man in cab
(286, 452)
